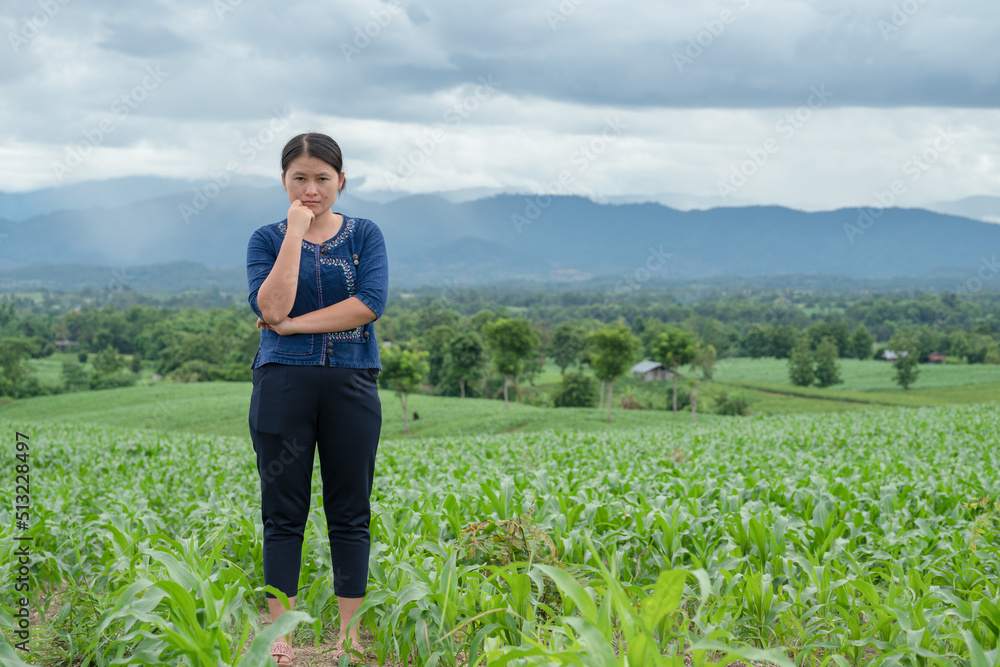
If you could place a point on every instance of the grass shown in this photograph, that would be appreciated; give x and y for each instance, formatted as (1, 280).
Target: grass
(48, 369)
(220, 408)
(858, 375)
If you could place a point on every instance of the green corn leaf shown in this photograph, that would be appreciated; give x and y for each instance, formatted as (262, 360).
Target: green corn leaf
(569, 587)
(259, 651)
(665, 598)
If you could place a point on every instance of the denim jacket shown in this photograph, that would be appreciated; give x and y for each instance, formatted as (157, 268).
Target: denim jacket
(352, 263)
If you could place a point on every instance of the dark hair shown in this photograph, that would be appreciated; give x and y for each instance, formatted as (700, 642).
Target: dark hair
(317, 145)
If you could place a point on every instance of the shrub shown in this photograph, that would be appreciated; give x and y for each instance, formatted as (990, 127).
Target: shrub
(575, 391)
(123, 378)
(735, 404)
(234, 372)
(196, 370)
(74, 376)
(108, 361)
(25, 388)
(630, 402)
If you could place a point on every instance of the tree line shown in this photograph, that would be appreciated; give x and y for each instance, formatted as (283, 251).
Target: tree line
(466, 353)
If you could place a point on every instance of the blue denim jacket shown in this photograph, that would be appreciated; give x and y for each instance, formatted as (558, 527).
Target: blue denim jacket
(352, 263)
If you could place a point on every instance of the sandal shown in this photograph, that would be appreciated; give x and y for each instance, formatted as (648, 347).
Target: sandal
(281, 650)
(357, 648)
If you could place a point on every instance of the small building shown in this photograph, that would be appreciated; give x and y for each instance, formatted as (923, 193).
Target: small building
(936, 357)
(889, 355)
(647, 371)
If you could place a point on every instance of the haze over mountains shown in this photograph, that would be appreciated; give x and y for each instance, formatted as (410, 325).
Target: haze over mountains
(435, 240)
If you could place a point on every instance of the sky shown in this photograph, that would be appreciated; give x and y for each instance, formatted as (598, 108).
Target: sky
(815, 104)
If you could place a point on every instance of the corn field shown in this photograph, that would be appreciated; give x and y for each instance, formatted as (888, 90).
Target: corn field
(863, 538)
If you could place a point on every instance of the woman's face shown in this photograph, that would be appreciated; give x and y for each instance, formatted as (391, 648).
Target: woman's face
(313, 182)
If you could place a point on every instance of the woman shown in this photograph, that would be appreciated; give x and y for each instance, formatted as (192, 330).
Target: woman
(317, 279)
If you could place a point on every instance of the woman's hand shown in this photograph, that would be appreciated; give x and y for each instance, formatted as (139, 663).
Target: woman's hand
(285, 327)
(300, 217)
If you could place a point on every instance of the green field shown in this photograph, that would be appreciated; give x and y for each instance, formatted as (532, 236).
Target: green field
(859, 375)
(220, 408)
(49, 369)
(840, 539)
(796, 534)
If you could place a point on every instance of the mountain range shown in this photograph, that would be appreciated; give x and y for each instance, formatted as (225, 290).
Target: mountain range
(450, 240)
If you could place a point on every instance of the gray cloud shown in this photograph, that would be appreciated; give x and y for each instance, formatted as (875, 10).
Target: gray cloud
(143, 41)
(623, 54)
(561, 66)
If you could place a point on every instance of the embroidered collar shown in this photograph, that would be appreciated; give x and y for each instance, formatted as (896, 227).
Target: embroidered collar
(342, 235)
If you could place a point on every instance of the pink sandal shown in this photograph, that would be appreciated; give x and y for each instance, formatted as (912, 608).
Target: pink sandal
(356, 648)
(281, 650)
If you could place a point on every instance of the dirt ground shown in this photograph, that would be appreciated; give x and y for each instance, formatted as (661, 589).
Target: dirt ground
(307, 655)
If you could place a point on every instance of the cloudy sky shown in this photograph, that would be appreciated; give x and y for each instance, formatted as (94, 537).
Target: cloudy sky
(813, 104)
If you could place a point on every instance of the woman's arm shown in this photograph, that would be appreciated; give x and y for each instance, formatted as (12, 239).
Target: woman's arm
(366, 306)
(341, 316)
(276, 295)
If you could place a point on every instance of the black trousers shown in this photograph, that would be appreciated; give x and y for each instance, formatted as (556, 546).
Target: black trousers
(295, 410)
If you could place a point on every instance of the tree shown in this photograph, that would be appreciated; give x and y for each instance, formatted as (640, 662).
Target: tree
(861, 343)
(800, 363)
(186, 346)
(108, 361)
(567, 344)
(839, 331)
(757, 342)
(14, 374)
(402, 371)
(110, 370)
(74, 375)
(651, 329)
(576, 390)
(434, 315)
(827, 371)
(511, 343)
(465, 358)
(674, 348)
(906, 364)
(927, 341)
(613, 350)
(959, 345)
(782, 341)
(436, 341)
(703, 360)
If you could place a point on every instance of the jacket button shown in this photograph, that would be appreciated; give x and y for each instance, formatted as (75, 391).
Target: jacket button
(366, 334)
(355, 255)
(355, 262)
(322, 250)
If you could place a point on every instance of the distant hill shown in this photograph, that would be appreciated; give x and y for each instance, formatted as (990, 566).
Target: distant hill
(168, 277)
(433, 241)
